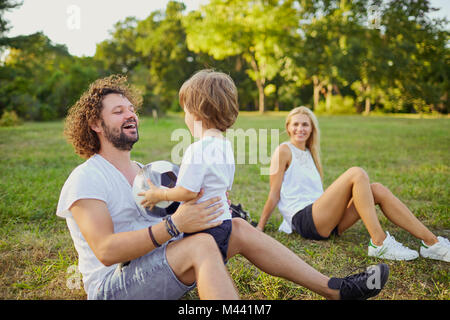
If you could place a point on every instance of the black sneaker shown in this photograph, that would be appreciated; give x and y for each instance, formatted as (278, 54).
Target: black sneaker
(361, 286)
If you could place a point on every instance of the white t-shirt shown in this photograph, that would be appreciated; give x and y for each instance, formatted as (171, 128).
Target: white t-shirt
(301, 186)
(98, 179)
(209, 164)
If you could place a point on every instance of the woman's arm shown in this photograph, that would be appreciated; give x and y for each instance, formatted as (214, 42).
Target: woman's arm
(278, 165)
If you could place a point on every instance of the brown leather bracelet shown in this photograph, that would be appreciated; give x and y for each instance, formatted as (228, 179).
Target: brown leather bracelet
(155, 243)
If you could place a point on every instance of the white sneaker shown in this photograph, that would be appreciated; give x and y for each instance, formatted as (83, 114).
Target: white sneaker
(438, 251)
(392, 250)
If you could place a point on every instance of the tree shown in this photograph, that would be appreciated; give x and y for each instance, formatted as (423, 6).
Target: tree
(418, 49)
(368, 63)
(326, 50)
(255, 30)
(5, 5)
(119, 54)
(40, 80)
(161, 42)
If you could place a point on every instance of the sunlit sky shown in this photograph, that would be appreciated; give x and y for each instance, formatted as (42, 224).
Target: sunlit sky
(81, 24)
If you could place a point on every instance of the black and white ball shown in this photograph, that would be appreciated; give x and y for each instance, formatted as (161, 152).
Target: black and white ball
(162, 174)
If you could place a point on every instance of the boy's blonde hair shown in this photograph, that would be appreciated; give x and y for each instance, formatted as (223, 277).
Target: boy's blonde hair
(212, 97)
(313, 142)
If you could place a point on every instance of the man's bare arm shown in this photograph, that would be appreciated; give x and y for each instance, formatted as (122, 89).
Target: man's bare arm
(95, 223)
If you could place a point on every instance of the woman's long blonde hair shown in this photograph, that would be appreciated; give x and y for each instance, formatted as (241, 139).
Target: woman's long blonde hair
(313, 142)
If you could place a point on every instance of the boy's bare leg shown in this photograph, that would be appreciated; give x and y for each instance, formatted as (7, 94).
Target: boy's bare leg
(197, 258)
(274, 258)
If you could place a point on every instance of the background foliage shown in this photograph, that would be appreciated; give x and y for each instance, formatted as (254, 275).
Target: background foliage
(337, 56)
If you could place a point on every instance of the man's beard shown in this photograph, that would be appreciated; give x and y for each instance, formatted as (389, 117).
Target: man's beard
(118, 138)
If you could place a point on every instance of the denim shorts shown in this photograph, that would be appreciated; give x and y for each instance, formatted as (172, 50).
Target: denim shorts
(303, 223)
(146, 278)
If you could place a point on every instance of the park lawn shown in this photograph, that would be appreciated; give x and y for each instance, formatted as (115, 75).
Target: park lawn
(410, 156)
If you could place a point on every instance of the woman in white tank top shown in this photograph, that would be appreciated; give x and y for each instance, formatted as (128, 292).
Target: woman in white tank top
(296, 187)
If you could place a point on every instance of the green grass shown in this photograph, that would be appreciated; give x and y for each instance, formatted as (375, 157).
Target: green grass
(410, 156)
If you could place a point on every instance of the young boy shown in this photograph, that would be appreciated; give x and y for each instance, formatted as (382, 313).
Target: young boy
(210, 103)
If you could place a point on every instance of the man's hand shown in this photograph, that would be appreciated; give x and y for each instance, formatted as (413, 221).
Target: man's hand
(193, 217)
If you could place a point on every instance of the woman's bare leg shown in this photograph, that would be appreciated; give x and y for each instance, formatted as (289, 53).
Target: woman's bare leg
(329, 209)
(350, 217)
(399, 214)
(395, 210)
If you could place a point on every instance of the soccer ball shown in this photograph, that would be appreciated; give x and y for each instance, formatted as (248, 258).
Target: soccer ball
(162, 174)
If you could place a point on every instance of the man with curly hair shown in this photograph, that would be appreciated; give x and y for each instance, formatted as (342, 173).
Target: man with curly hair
(124, 255)
(80, 128)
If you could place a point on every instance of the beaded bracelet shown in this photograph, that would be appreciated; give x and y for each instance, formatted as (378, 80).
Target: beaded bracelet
(170, 227)
(174, 227)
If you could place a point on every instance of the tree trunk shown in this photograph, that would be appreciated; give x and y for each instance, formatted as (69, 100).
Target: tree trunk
(367, 101)
(155, 114)
(259, 83)
(328, 98)
(261, 95)
(317, 87)
(367, 106)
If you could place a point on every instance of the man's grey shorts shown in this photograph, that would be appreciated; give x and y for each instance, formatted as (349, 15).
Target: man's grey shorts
(146, 278)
